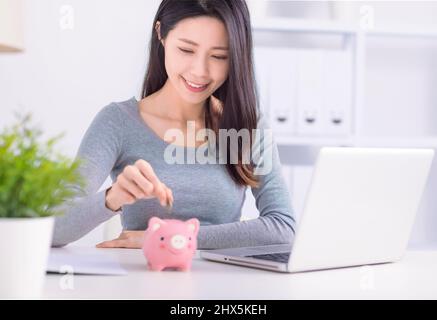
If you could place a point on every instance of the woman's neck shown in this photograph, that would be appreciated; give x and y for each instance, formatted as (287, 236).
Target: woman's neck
(170, 105)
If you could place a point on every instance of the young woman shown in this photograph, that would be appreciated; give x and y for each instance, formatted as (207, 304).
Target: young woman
(200, 76)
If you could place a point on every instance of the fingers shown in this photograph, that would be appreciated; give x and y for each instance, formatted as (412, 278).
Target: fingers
(116, 243)
(130, 187)
(127, 239)
(121, 195)
(138, 182)
(147, 170)
(169, 194)
(158, 187)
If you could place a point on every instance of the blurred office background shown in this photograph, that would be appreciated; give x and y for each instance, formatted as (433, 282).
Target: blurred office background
(330, 73)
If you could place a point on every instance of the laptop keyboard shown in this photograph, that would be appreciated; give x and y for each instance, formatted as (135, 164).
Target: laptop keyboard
(282, 257)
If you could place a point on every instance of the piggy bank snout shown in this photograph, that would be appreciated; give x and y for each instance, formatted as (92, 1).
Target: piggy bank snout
(178, 242)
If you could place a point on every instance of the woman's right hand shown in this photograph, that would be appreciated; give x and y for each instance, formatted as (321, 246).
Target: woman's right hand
(136, 182)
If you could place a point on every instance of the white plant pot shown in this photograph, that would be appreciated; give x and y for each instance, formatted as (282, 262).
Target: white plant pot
(24, 250)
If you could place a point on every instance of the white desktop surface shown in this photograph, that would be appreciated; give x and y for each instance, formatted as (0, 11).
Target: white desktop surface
(414, 277)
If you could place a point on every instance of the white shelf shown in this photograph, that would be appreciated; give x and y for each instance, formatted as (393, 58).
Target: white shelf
(313, 141)
(301, 25)
(402, 142)
(358, 49)
(402, 31)
(335, 27)
(389, 142)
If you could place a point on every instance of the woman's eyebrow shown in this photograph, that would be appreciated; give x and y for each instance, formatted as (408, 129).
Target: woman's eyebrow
(195, 44)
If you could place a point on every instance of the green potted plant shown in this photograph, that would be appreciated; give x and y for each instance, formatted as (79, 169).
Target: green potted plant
(34, 182)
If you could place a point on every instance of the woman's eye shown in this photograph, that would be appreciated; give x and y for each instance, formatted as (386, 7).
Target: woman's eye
(162, 238)
(185, 51)
(215, 57)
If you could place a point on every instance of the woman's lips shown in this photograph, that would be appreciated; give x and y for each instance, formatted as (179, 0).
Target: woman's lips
(193, 89)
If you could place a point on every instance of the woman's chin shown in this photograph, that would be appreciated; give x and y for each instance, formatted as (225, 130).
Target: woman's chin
(194, 100)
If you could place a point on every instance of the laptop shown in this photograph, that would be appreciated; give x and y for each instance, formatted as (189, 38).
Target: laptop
(359, 210)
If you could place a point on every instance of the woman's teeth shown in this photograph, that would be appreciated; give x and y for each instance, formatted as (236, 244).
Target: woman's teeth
(195, 85)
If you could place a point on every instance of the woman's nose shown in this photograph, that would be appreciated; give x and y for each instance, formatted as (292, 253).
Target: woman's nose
(200, 69)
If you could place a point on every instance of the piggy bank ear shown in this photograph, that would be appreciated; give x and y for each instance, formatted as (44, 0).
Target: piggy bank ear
(155, 223)
(193, 225)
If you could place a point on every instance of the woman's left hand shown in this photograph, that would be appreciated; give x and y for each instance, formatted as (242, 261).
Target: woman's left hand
(127, 239)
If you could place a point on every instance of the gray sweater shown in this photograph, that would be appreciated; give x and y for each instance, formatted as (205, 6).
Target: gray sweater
(118, 136)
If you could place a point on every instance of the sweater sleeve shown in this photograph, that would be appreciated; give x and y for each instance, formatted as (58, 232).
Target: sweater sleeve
(98, 151)
(276, 222)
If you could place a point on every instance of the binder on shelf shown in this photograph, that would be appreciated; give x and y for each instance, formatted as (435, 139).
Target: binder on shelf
(305, 92)
(261, 56)
(283, 90)
(310, 92)
(337, 84)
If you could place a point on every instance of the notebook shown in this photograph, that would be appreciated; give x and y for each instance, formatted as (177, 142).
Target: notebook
(83, 261)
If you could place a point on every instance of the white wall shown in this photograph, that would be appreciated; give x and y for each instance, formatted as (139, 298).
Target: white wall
(66, 75)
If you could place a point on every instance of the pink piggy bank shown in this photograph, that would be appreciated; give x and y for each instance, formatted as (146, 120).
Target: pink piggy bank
(170, 243)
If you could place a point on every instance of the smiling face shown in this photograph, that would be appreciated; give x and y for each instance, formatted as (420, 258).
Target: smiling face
(196, 57)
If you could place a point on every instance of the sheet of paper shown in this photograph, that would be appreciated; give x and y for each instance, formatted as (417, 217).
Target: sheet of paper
(62, 260)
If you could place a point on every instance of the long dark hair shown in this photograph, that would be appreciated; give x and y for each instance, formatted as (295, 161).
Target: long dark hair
(237, 96)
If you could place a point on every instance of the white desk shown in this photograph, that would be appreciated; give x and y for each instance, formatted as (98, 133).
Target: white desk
(415, 277)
